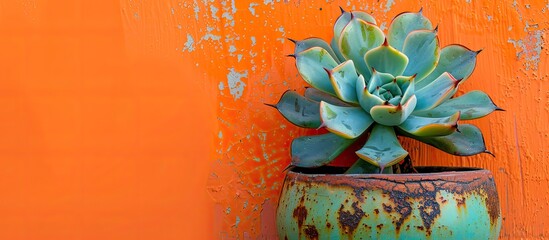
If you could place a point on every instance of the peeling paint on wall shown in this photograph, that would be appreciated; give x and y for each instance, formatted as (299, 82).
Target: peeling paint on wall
(529, 48)
(235, 83)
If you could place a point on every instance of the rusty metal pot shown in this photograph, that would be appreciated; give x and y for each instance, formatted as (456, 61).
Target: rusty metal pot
(437, 203)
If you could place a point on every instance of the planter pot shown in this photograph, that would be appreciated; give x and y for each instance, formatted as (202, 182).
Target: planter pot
(437, 203)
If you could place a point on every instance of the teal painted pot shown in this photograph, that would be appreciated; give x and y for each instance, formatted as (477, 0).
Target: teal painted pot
(437, 203)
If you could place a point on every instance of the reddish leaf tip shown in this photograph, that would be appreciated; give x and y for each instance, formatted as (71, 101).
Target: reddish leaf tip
(385, 42)
(480, 50)
(271, 105)
(420, 10)
(486, 151)
(435, 31)
(328, 71)
(413, 77)
(342, 10)
(291, 55)
(292, 40)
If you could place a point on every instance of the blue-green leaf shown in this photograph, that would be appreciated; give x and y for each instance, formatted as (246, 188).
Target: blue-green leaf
(430, 127)
(472, 105)
(468, 141)
(407, 84)
(318, 96)
(365, 98)
(386, 59)
(435, 93)
(382, 148)
(454, 59)
(347, 122)
(335, 47)
(363, 167)
(343, 78)
(378, 79)
(318, 150)
(357, 38)
(299, 110)
(422, 49)
(311, 64)
(307, 43)
(345, 18)
(405, 23)
(389, 115)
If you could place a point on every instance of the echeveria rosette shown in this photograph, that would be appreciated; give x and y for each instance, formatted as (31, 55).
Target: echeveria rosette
(370, 84)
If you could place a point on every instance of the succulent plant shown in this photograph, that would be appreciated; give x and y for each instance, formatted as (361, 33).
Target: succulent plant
(370, 86)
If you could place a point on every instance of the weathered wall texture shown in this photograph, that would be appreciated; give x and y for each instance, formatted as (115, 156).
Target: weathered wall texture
(144, 119)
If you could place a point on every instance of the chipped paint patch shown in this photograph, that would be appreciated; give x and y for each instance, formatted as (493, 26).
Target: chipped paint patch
(189, 45)
(388, 5)
(236, 85)
(251, 8)
(210, 36)
(214, 11)
(529, 48)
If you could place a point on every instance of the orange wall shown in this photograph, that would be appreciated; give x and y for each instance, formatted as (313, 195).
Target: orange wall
(145, 119)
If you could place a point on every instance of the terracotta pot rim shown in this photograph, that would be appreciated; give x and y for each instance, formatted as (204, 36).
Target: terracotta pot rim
(426, 172)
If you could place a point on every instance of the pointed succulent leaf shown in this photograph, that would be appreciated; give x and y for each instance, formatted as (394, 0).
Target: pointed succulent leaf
(343, 78)
(299, 110)
(405, 23)
(430, 127)
(468, 141)
(357, 38)
(335, 47)
(365, 98)
(378, 79)
(362, 167)
(389, 115)
(472, 105)
(386, 59)
(382, 148)
(346, 17)
(347, 122)
(454, 59)
(407, 84)
(311, 64)
(318, 150)
(393, 88)
(435, 93)
(395, 100)
(422, 49)
(318, 96)
(307, 43)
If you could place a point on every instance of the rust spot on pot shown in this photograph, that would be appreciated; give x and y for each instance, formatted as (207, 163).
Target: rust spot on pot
(461, 202)
(379, 226)
(387, 208)
(349, 221)
(311, 232)
(402, 207)
(300, 213)
(428, 212)
(491, 200)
